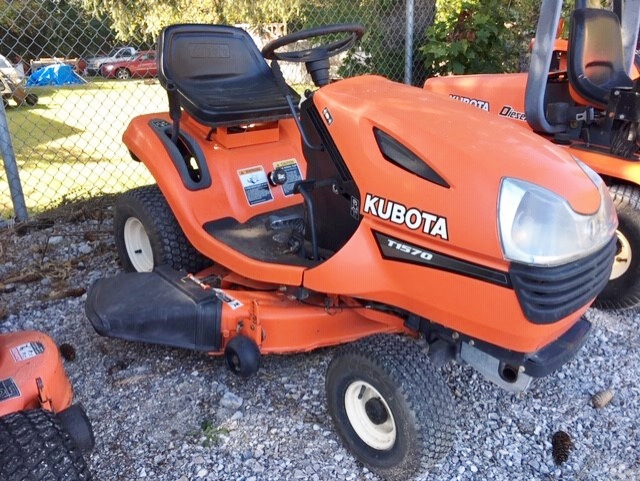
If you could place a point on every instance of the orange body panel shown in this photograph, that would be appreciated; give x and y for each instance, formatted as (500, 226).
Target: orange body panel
(460, 221)
(225, 197)
(500, 94)
(26, 357)
(279, 323)
(475, 308)
(503, 95)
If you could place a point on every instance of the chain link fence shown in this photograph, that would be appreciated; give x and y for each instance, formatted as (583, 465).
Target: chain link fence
(66, 127)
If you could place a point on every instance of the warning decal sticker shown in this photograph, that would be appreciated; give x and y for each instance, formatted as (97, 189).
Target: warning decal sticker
(8, 389)
(255, 185)
(227, 299)
(292, 170)
(26, 351)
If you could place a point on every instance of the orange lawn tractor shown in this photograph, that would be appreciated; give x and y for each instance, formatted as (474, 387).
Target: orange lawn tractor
(406, 227)
(580, 94)
(42, 434)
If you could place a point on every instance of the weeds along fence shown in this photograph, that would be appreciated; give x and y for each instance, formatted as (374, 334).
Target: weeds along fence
(68, 146)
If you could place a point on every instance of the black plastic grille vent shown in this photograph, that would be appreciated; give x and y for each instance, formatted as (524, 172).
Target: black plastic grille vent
(547, 294)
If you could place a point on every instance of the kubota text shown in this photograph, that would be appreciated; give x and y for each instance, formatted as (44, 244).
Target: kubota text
(412, 217)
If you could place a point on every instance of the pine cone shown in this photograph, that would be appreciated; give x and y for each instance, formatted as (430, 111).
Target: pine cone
(68, 352)
(602, 399)
(562, 445)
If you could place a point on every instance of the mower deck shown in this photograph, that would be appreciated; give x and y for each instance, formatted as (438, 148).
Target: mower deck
(158, 307)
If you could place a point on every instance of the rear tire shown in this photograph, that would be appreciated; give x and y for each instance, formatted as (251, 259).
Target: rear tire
(34, 447)
(623, 289)
(147, 234)
(390, 407)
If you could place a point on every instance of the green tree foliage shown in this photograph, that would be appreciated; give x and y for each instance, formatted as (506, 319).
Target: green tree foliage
(467, 37)
(382, 49)
(142, 20)
(480, 36)
(58, 28)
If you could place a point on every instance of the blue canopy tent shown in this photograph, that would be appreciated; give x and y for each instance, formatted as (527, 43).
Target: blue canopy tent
(59, 74)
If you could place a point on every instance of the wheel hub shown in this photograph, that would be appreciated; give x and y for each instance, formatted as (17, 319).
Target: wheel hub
(622, 259)
(138, 245)
(370, 415)
(376, 411)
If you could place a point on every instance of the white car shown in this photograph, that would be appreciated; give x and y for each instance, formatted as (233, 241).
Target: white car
(94, 64)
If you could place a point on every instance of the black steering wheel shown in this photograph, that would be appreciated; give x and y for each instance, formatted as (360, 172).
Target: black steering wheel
(323, 51)
(316, 59)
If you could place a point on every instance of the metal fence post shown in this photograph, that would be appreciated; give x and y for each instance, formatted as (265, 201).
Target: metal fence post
(408, 43)
(11, 168)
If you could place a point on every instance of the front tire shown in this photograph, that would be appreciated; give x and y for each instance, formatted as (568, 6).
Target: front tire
(623, 289)
(390, 407)
(34, 447)
(147, 234)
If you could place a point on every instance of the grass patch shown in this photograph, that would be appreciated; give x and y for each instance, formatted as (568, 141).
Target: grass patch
(70, 146)
(212, 434)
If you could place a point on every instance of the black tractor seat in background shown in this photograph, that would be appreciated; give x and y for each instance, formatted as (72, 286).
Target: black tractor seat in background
(596, 56)
(220, 75)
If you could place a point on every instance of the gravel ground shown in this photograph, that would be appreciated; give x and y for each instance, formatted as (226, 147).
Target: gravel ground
(166, 414)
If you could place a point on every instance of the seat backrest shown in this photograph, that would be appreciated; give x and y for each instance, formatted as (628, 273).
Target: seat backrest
(595, 56)
(220, 75)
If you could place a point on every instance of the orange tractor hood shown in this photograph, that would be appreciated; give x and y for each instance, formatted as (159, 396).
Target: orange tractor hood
(468, 147)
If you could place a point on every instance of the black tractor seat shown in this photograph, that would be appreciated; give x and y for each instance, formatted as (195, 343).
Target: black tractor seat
(219, 75)
(596, 57)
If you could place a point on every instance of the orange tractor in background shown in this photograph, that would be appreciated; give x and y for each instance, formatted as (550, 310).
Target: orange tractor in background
(405, 227)
(581, 94)
(42, 433)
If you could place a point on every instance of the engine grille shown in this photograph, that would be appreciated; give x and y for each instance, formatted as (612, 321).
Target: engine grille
(547, 294)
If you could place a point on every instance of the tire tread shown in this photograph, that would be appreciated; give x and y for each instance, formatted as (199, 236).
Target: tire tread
(426, 394)
(626, 199)
(167, 238)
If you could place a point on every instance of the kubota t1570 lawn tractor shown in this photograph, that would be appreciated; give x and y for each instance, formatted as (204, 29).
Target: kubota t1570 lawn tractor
(42, 434)
(371, 214)
(581, 93)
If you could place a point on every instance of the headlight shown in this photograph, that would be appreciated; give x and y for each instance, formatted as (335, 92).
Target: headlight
(539, 227)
